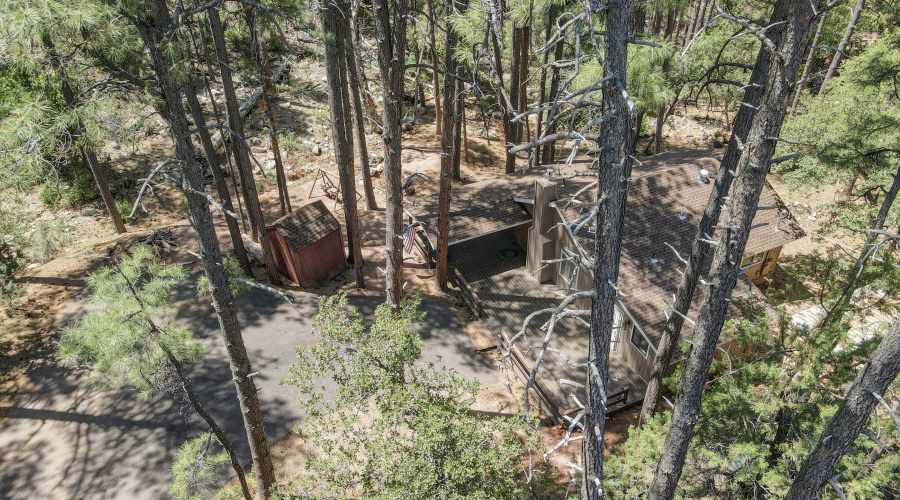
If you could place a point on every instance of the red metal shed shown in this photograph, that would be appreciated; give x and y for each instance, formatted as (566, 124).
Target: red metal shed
(307, 244)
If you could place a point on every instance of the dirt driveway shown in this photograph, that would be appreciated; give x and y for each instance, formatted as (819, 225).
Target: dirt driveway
(64, 440)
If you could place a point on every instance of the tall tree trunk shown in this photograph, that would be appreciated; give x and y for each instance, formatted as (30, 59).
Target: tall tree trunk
(616, 149)
(89, 155)
(692, 24)
(155, 31)
(365, 94)
(447, 129)
(239, 147)
(550, 148)
(548, 35)
(669, 341)
(752, 169)
(268, 108)
(808, 65)
(523, 76)
(515, 87)
(335, 31)
(221, 187)
(836, 313)
(661, 112)
(842, 46)
(390, 29)
(438, 117)
(360, 127)
(873, 380)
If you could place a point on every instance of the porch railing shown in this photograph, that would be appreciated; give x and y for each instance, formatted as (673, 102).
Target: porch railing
(466, 291)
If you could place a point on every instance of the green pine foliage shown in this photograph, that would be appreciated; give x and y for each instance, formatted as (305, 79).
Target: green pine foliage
(123, 341)
(766, 404)
(396, 428)
(851, 130)
(196, 467)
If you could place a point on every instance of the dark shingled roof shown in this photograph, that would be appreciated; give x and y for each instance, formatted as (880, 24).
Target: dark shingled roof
(661, 187)
(306, 225)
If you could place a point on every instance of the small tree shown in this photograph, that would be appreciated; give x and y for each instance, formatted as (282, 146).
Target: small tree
(395, 428)
(125, 344)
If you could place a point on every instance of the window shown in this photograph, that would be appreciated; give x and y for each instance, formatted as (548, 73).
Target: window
(640, 342)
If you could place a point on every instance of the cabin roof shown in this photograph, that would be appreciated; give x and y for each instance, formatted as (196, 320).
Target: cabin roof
(306, 225)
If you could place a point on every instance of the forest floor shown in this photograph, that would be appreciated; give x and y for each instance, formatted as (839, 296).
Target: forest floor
(28, 322)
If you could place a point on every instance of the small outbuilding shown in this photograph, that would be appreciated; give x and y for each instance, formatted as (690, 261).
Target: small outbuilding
(307, 245)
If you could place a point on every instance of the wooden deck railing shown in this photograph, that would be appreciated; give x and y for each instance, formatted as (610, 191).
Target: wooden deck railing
(465, 289)
(618, 398)
(540, 391)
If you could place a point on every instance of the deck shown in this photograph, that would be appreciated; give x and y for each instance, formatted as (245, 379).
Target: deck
(495, 268)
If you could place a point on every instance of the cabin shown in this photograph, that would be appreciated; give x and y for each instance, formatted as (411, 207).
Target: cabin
(501, 229)
(307, 245)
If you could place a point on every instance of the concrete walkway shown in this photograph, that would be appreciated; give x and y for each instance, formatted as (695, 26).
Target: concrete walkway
(64, 440)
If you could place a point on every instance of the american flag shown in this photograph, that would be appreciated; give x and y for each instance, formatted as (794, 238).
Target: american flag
(409, 238)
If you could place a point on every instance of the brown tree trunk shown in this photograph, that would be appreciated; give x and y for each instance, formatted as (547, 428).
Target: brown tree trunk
(515, 86)
(842, 46)
(873, 380)
(360, 127)
(89, 155)
(390, 29)
(447, 152)
(335, 31)
(550, 148)
(683, 296)
(693, 25)
(154, 31)
(548, 34)
(661, 112)
(809, 60)
(269, 110)
(616, 149)
(366, 95)
(752, 169)
(221, 188)
(240, 148)
(438, 117)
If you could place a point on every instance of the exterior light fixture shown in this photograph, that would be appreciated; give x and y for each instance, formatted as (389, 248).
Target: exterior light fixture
(703, 178)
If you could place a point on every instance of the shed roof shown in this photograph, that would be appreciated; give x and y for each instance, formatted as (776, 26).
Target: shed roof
(306, 225)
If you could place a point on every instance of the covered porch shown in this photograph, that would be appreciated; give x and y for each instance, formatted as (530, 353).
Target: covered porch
(494, 267)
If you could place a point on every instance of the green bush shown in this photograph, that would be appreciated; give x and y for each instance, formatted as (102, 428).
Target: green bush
(83, 187)
(51, 194)
(10, 263)
(46, 240)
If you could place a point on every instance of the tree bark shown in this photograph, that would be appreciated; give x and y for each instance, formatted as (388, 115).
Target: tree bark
(515, 86)
(550, 148)
(368, 102)
(239, 148)
(661, 112)
(548, 34)
(390, 29)
(360, 127)
(808, 65)
(335, 31)
(871, 383)
(692, 24)
(683, 296)
(154, 31)
(836, 313)
(438, 117)
(221, 187)
(269, 110)
(842, 46)
(752, 169)
(447, 129)
(89, 155)
(616, 149)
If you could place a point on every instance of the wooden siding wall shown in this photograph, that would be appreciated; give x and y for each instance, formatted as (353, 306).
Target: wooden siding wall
(318, 262)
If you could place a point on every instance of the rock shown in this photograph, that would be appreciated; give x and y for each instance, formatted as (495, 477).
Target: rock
(718, 143)
(316, 150)
(270, 155)
(497, 115)
(114, 145)
(270, 164)
(254, 248)
(407, 127)
(89, 211)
